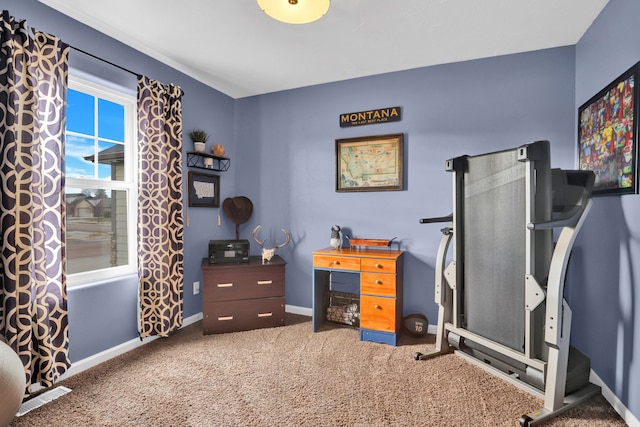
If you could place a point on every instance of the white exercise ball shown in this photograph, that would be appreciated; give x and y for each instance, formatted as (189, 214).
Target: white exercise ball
(12, 384)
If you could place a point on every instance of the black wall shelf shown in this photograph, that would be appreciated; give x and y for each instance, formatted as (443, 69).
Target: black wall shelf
(195, 159)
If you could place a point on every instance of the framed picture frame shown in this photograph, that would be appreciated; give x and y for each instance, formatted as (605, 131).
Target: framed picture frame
(203, 190)
(370, 163)
(608, 136)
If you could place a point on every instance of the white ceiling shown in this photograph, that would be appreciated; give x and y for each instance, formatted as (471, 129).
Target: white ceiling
(232, 46)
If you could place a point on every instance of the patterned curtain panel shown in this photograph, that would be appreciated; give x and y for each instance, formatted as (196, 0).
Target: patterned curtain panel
(33, 310)
(160, 223)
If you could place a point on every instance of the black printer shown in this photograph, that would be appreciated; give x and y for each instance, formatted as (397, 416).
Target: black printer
(228, 251)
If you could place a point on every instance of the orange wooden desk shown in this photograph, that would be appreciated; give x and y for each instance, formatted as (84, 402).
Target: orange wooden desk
(381, 273)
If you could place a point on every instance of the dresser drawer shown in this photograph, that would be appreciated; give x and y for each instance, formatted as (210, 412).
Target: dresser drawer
(378, 313)
(379, 265)
(378, 284)
(336, 262)
(225, 285)
(232, 316)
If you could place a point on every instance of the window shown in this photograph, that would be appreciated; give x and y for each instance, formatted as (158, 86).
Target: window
(100, 193)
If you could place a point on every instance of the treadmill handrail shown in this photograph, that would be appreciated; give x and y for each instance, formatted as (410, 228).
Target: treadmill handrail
(567, 219)
(447, 218)
(571, 217)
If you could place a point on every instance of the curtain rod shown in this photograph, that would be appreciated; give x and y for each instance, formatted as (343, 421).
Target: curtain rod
(114, 65)
(104, 60)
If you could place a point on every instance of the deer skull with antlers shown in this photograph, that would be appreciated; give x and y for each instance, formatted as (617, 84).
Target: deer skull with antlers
(267, 254)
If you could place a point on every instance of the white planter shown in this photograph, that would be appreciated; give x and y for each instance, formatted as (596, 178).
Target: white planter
(198, 146)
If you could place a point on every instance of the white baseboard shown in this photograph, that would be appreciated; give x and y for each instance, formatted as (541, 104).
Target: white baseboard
(96, 359)
(294, 309)
(613, 400)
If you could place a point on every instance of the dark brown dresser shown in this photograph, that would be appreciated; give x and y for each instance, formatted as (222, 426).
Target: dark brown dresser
(239, 297)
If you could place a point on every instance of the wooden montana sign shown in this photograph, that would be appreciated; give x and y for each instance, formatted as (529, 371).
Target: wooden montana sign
(382, 115)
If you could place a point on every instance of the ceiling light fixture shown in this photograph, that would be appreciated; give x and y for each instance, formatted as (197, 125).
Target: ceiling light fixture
(295, 11)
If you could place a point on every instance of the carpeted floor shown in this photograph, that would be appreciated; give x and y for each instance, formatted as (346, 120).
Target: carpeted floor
(289, 376)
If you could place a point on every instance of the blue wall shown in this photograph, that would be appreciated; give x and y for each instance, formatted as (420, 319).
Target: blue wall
(285, 149)
(606, 261)
(283, 158)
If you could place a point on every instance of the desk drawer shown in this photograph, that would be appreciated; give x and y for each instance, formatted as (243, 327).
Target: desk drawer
(378, 284)
(336, 262)
(379, 265)
(378, 313)
(232, 316)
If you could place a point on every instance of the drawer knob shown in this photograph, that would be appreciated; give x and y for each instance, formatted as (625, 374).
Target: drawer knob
(225, 285)
(377, 307)
(378, 265)
(378, 282)
(265, 282)
(223, 318)
(336, 262)
(268, 314)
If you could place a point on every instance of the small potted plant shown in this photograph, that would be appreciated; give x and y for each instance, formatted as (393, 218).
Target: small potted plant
(199, 138)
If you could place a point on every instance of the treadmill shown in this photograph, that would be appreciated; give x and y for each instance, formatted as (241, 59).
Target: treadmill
(500, 297)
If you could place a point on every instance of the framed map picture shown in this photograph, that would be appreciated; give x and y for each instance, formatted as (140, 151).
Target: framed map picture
(369, 163)
(204, 190)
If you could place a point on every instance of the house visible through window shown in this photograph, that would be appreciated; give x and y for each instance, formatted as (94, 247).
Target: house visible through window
(100, 182)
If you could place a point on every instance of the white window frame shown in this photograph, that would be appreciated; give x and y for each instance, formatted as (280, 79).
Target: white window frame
(129, 185)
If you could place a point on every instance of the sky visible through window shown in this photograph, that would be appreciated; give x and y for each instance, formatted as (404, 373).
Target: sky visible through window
(98, 185)
(82, 110)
